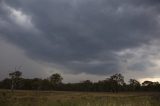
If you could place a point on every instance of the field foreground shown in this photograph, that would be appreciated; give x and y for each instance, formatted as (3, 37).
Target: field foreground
(55, 98)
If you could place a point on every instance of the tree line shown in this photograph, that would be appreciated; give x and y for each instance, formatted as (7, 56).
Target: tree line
(114, 83)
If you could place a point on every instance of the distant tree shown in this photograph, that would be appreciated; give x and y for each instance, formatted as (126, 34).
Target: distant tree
(37, 84)
(151, 86)
(15, 78)
(147, 83)
(6, 83)
(55, 79)
(86, 85)
(116, 82)
(118, 78)
(156, 86)
(134, 84)
(46, 85)
(27, 84)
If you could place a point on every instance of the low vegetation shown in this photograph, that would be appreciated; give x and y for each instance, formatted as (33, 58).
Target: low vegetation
(59, 98)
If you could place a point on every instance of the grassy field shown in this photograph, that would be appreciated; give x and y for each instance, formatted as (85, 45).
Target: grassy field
(55, 98)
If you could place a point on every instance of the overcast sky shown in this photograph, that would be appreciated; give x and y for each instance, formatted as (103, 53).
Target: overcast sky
(81, 39)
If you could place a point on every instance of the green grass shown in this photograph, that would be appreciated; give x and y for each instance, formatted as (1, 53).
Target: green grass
(55, 98)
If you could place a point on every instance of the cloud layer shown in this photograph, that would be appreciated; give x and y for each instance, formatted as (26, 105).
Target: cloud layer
(85, 36)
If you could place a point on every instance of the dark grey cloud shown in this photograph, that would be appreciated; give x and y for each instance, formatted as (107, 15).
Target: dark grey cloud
(80, 35)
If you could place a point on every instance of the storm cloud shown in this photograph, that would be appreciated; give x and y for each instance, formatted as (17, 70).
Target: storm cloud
(85, 36)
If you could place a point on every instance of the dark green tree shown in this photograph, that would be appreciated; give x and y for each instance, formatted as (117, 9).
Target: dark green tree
(116, 82)
(134, 84)
(15, 79)
(55, 79)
